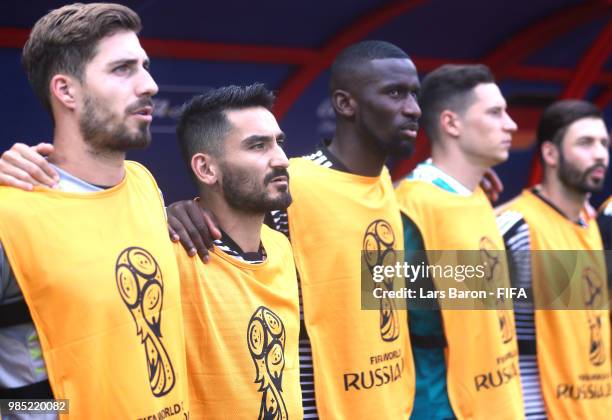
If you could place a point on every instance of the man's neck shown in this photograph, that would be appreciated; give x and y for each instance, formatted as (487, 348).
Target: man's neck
(76, 157)
(459, 167)
(570, 202)
(242, 227)
(360, 157)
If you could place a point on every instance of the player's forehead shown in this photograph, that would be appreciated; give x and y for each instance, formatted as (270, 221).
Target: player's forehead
(487, 95)
(383, 71)
(253, 121)
(122, 45)
(591, 127)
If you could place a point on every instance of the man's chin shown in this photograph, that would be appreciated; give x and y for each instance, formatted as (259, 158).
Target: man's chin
(137, 141)
(585, 187)
(142, 144)
(500, 159)
(594, 188)
(280, 202)
(402, 150)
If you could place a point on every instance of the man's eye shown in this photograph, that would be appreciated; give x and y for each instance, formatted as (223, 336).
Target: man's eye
(281, 143)
(394, 93)
(124, 68)
(257, 146)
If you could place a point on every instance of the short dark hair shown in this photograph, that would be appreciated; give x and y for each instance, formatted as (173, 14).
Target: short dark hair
(449, 87)
(65, 40)
(560, 115)
(203, 123)
(354, 55)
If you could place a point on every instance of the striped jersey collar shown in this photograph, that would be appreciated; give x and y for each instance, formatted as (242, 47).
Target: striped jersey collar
(231, 248)
(323, 157)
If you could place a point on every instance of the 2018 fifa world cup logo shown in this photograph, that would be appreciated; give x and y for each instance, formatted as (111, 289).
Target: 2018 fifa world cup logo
(266, 341)
(493, 275)
(141, 287)
(378, 244)
(592, 289)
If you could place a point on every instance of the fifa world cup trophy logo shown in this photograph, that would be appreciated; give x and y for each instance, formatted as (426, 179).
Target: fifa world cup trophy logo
(493, 275)
(592, 290)
(378, 243)
(141, 287)
(266, 341)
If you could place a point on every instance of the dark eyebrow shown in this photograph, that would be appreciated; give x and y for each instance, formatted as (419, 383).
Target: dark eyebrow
(129, 61)
(255, 138)
(402, 86)
(592, 137)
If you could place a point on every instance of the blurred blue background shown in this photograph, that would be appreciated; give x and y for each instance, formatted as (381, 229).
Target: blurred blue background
(540, 51)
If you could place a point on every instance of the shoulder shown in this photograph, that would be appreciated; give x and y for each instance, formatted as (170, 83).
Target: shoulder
(14, 201)
(138, 170)
(514, 229)
(276, 238)
(508, 219)
(11, 192)
(606, 208)
(278, 247)
(521, 203)
(408, 189)
(302, 164)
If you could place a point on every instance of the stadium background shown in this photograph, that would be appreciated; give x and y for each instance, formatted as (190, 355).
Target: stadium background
(539, 50)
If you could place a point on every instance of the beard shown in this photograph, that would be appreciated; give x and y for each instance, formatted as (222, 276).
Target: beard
(399, 148)
(575, 179)
(243, 193)
(396, 146)
(105, 132)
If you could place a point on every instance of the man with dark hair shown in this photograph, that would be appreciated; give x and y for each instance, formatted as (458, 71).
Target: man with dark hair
(232, 145)
(450, 88)
(56, 46)
(374, 90)
(233, 148)
(91, 259)
(380, 132)
(458, 352)
(563, 353)
(354, 363)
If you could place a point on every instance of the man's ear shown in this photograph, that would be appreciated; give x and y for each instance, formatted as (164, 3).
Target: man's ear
(343, 103)
(63, 89)
(550, 153)
(450, 123)
(205, 168)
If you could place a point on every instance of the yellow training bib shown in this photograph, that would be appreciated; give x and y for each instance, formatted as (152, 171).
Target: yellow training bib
(573, 346)
(242, 326)
(362, 358)
(99, 276)
(482, 354)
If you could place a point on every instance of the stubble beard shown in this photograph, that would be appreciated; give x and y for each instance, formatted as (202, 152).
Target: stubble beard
(573, 179)
(242, 193)
(105, 134)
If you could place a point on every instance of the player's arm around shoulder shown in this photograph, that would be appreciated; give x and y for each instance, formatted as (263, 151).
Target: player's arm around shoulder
(25, 167)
